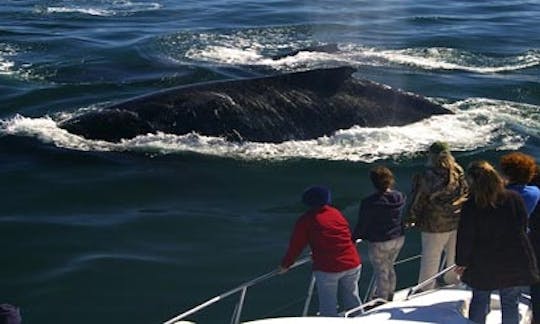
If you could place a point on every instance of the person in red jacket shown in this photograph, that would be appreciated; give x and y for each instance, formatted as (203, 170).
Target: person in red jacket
(336, 262)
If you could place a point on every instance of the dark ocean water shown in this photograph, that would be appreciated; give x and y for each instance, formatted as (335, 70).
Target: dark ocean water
(136, 232)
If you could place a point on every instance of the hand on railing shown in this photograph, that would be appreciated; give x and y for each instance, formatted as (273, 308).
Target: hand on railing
(281, 269)
(459, 270)
(409, 225)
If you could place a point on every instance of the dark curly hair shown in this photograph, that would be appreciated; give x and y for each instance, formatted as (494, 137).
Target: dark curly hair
(381, 177)
(518, 167)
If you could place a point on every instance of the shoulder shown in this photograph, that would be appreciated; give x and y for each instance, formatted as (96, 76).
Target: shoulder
(533, 190)
(327, 209)
(512, 197)
(511, 194)
(394, 197)
(397, 193)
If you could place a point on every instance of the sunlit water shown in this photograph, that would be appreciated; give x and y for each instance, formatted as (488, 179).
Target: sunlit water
(137, 231)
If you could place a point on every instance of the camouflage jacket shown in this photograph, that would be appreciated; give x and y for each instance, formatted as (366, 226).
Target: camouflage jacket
(435, 202)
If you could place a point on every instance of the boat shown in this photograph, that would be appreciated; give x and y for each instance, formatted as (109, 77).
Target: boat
(410, 305)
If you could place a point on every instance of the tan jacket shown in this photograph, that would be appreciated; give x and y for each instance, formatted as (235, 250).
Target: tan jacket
(436, 201)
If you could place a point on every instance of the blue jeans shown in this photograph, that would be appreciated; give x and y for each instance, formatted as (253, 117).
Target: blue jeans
(509, 297)
(535, 301)
(328, 285)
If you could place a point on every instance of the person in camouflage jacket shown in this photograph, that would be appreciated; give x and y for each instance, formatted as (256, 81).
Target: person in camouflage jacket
(436, 199)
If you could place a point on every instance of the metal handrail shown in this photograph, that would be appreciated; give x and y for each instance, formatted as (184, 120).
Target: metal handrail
(424, 283)
(362, 307)
(309, 296)
(372, 280)
(242, 288)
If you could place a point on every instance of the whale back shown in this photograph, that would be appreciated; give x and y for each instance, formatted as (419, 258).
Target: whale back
(301, 105)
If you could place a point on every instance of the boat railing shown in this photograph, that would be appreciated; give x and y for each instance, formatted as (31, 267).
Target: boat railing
(428, 281)
(411, 291)
(242, 290)
(371, 284)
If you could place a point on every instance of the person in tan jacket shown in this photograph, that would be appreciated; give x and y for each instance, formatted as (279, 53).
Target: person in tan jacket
(437, 195)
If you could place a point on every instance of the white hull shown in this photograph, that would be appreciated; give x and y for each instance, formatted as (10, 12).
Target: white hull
(445, 305)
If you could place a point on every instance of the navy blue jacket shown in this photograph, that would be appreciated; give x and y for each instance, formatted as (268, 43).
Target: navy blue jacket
(380, 217)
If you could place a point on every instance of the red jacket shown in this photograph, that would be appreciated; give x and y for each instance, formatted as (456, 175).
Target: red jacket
(329, 237)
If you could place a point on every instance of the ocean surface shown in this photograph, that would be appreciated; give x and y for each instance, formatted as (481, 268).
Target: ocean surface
(141, 230)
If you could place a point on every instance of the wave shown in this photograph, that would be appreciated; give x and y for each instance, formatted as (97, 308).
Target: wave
(440, 58)
(477, 124)
(6, 64)
(100, 8)
(256, 47)
(10, 65)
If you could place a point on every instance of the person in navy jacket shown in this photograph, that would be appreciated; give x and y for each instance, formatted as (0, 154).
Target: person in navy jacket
(380, 223)
(336, 262)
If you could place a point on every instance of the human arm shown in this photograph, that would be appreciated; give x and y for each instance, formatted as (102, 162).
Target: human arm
(459, 270)
(297, 243)
(465, 237)
(520, 211)
(416, 203)
(362, 224)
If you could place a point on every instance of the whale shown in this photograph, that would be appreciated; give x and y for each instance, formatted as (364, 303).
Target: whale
(272, 109)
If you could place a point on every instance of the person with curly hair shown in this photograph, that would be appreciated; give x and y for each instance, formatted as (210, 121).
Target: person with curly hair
(493, 251)
(534, 237)
(519, 169)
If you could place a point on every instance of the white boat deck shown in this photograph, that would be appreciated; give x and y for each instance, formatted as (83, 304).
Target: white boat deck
(444, 305)
(449, 304)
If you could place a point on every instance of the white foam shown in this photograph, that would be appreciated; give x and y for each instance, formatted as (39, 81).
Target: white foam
(13, 69)
(247, 47)
(103, 8)
(452, 59)
(251, 47)
(87, 11)
(6, 64)
(477, 124)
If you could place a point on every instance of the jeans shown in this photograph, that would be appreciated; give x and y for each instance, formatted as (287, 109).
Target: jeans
(382, 256)
(433, 244)
(535, 301)
(328, 285)
(509, 297)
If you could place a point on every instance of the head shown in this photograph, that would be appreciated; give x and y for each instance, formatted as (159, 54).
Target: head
(518, 167)
(485, 184)
(382, 178)
(439, 147)
(316, 196)
(439, 156)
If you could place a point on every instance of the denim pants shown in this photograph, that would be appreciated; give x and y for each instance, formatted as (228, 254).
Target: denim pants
(330, 283)
(509, 297)
(433, 245)
(382, 256)
(535, 301)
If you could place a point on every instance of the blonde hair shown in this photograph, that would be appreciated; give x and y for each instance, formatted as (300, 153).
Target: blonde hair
(445, 160)
(485, 183)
